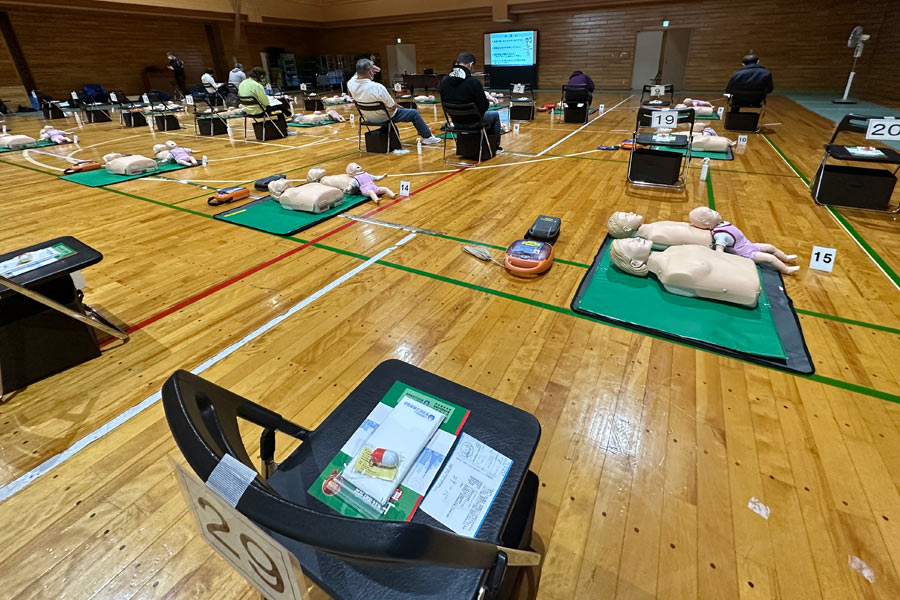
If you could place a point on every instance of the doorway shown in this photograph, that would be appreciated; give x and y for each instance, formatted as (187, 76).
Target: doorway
(401, 58)
(660, 57)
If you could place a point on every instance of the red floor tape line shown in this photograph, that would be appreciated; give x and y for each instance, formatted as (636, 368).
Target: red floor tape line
(255, 269)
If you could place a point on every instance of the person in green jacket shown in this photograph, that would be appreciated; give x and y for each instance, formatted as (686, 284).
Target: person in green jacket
(253, 86)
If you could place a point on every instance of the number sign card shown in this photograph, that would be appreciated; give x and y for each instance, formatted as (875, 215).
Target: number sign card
(664, 118)
(404, 188)
(822, 258)
(887, 128)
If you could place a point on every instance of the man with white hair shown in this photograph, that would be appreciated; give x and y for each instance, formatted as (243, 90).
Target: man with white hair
(364, 88)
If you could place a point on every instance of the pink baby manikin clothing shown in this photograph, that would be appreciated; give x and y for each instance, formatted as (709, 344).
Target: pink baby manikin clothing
(179, 154)
(741, 246)
(366, 183)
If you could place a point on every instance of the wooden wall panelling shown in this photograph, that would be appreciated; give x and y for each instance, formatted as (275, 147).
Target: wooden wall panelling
(12, 89)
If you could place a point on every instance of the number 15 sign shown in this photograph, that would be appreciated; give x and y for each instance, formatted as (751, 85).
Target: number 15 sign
(253, 553)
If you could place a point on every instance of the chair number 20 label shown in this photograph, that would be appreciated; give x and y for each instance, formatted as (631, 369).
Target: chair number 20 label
(822, 258)
(253, 553)
(664, 118)
(883, 129)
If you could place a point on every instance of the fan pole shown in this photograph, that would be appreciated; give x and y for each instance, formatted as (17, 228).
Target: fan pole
(846, 99)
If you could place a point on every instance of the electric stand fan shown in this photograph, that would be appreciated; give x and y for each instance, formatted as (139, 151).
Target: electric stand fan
(856, 42)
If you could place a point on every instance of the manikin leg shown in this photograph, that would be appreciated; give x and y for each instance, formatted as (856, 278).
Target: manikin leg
(386, 192)
(763, 258)
(770, 249)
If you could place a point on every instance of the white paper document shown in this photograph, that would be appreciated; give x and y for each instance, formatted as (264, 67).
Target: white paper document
(467, 486)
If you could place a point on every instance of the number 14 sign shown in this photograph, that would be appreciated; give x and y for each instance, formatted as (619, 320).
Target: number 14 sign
(253, 553)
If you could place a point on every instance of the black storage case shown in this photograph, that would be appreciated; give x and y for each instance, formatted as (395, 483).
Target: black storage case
(467, 144)
(211, 126)
(378, 142)
(166, 122)
(858, 187)
(134, 119)
(742, 121)
(521, 112)
(270, 130)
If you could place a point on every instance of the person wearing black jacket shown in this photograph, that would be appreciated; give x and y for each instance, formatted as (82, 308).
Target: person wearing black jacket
(176, 65)
(460, 86)
(752, 76)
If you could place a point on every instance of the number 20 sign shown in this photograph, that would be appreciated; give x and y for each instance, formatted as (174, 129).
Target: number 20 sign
(664, 118)
(883, 129)
(253, 553)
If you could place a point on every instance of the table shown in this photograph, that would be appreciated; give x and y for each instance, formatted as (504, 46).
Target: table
(35, 340)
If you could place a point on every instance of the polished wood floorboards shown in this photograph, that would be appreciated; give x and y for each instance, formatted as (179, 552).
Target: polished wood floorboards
(650, 451)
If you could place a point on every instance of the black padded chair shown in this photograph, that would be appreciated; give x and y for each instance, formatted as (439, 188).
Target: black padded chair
(130, 114)
(521, 105)
(264, 126)
(744, 110)
(650, 166)
(360, 558)
(382, 135)
(208, 119)
(576, 103)
(869, 188)
(465, 124)
(164, 118)
(650, 98)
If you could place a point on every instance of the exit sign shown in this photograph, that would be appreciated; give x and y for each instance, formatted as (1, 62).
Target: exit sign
(665, 23)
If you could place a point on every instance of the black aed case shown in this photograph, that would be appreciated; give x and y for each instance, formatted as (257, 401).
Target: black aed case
(545, 229)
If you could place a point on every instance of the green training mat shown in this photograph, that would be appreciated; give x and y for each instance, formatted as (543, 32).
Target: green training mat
(40, 144)
(266, 214)
(591, 111)
(644, 302)
(100, 177)
(290, 124)
(712, 117)
(727, 155)
(449, 136)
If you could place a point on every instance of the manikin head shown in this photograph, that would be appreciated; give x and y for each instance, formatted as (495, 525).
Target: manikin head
(354, 169)
(315, 174)
(277, 187)
(111, 156)
(170, 144)
(631, 255)
(624, 224)
(704, 217)
(157, 148)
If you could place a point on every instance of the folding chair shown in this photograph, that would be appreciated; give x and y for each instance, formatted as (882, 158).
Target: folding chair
(164, 118)
(382, 136)
(576, 101)
(658, 95)
(739, 119)
(464, 122)
(521, 105)
(129, 110)
(208, 120)
(856, 187)
(364, 559)
(91, 110)
(263, 122)
(648, 167)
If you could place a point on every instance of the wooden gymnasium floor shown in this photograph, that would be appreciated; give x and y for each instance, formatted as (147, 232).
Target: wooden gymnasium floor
(650, 450)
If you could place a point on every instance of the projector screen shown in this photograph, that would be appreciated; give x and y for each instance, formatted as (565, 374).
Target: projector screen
(510, 49)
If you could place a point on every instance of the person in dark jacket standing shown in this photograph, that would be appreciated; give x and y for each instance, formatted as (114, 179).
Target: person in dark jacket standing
(176, 65)
(752, 76)
(460, 86)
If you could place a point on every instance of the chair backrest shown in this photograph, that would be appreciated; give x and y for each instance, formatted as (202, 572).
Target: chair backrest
(462, 115)
(744, 97)
(428, 71)
(203, 418)
(368, 110)
(667, 90)
(684, 116)
(853, 122)
(252, 102)
(575, 93)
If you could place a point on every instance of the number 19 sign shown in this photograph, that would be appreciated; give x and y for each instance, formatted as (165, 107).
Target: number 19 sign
(664, 118)
(253, 553)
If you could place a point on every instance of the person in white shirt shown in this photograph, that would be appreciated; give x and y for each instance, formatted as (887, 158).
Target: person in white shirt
(209, 82)
(364, 89)
(237, 75)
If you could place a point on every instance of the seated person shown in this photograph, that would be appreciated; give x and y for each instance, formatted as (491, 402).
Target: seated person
(253, 86)
(364, 88)
(579, 78)
(460, 86)
(237, 75)
(209, 84)
(693, 271)
(751, 77)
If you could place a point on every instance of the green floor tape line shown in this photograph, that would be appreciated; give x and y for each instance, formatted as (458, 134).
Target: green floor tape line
(727, 155)
(102, 177)
(39, 144)
(268, 215)
(557, 111)
(292, 124)
(768, 334)
(710, 198)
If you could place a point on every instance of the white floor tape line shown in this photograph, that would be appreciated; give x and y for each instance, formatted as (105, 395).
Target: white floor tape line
(45, 467)
(549, 148)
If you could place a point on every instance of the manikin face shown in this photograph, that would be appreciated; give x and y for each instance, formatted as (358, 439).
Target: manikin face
(630, 220)
(353, 169)
(704, 217)
(636, 249)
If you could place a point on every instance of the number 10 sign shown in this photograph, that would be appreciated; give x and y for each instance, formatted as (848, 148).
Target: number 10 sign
(253, 553)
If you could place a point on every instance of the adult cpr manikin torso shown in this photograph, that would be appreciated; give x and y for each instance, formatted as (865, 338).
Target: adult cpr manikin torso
(133, 164)
(674, 233)
(705, 273)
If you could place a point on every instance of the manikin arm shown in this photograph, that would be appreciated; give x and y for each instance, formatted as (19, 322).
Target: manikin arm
(722, 240)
